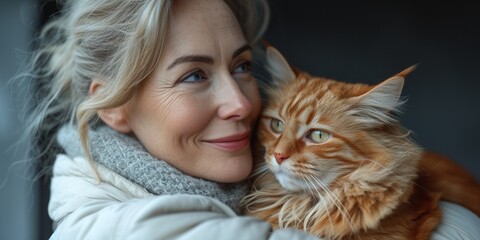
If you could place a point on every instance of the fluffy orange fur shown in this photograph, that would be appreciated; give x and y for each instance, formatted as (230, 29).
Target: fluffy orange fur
(335, 162)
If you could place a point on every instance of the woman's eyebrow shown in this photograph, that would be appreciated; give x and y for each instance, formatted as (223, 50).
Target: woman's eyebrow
(205, 59)
(241, 49)
(191, 58)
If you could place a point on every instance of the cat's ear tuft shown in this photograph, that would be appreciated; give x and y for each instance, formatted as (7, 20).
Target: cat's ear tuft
(407, 71)
(385, 95)
(381, 103)
(278, 66)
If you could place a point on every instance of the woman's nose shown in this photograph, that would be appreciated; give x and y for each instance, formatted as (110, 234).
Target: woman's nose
(235, 103)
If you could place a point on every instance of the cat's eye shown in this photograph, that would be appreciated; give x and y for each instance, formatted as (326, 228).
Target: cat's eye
(276, 125)
(318, 136)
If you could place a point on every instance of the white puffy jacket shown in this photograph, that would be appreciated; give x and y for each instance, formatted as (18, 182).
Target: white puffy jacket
(117, 208)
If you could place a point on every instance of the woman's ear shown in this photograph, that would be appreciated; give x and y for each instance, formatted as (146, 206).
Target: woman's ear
(115, 118)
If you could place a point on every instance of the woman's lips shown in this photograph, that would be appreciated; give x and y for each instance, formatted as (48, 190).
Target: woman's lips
(232, 143)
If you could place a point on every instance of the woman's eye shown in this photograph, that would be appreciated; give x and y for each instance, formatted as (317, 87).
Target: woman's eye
(276, 125)
(244, 67)
(318, 136)
(195, 76)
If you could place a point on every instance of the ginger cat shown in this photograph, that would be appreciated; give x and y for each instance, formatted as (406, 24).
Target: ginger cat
(338, 164)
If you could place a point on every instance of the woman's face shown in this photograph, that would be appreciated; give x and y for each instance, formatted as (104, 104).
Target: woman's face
(197, 109)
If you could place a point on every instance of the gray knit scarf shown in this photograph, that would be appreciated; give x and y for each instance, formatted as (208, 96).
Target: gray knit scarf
(126, 156)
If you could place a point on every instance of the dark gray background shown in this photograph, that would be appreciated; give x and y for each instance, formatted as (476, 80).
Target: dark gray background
(18, 194)
(354, 41)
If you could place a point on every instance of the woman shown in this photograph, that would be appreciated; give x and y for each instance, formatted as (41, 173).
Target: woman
(167, 80)
(133, 82)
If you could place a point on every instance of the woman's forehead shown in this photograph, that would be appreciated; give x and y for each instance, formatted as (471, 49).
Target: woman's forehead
(202, 27)
(212, 13)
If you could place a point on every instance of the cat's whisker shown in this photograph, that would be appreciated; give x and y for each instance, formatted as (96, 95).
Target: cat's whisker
(263, 81)
(307, 218)
(289, 217)
(324, 203)
(314, 171)
(260, 169)
(343, 210)
(263, 197)
(260, 77)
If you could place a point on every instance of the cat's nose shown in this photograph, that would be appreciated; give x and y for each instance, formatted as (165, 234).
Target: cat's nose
(280, 157)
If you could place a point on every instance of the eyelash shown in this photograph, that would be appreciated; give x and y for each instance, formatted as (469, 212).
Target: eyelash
(192, 73)
(247, 64)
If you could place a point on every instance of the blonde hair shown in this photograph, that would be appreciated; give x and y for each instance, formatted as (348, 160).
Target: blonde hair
(115, 41)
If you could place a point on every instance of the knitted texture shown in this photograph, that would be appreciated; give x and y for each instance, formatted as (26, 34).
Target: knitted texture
(126, 156)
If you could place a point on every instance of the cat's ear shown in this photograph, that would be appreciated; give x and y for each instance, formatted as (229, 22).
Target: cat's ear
(278, 66)
(382, 102)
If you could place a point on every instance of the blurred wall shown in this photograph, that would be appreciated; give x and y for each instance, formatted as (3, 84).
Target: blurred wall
(18, 193)
(369, 41)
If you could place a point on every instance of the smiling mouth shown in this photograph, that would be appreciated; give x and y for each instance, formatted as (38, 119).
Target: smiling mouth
(232, 143)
